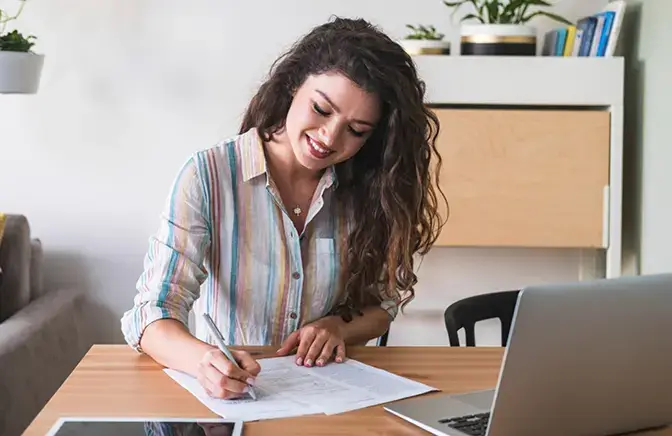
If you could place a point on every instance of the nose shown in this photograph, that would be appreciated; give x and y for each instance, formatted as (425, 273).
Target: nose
(329, 133)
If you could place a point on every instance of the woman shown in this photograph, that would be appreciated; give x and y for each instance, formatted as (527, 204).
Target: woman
(300, 231)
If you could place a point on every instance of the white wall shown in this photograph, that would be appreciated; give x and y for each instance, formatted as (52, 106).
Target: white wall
(132, 87)
(648, 210)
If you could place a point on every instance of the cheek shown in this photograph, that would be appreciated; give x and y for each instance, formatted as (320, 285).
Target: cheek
(291, 121)
(351, 146)
(300, 118)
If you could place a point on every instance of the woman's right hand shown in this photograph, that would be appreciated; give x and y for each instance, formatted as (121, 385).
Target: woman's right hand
(222, 379)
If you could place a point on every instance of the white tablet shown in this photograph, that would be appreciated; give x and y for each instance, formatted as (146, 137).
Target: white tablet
(150, 426)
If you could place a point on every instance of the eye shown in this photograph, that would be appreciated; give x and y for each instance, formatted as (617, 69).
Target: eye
(356, 132)
(319, 110)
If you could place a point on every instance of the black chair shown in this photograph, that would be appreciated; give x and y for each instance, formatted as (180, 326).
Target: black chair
(382, 340)
(467, 312)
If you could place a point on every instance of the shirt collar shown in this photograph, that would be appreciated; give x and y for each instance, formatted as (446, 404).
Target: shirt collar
(253, 160)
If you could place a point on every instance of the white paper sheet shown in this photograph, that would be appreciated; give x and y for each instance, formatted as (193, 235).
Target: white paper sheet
(284, 389)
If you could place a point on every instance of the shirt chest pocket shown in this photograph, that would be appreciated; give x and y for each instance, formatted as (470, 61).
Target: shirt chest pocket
(326, 266)
(324, 246)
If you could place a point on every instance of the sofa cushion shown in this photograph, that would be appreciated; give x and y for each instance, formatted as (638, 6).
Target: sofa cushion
(15, 263)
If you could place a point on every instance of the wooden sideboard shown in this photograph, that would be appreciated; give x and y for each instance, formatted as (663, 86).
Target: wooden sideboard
(532, 151)
(525, 177)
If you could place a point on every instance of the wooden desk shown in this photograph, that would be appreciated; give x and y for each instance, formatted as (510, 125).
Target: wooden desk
(113, 380)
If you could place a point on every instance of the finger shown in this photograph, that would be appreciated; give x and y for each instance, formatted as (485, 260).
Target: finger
(219, 383)
(306, 341)
(316, 348)
(208, 391)
(204, 382)
(247, 362)
(290, 343)
(327, 352)
(228, 368)
(340, 353)
(210, 388)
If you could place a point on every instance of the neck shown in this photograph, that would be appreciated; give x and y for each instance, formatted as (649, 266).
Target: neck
(283, 164)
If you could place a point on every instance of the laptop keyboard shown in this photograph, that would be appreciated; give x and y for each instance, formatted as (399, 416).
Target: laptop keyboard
(473, 425)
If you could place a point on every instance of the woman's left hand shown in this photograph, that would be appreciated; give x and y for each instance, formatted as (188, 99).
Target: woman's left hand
(317, 342)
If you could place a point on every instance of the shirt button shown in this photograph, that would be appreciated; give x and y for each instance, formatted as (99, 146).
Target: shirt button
(296, 275)
(292, 315)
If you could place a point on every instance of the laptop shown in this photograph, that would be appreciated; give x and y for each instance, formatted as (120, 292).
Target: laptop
(585, 358)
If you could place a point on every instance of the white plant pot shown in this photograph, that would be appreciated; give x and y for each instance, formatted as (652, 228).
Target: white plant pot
(498, 39)
(425, 46)
(20, 72)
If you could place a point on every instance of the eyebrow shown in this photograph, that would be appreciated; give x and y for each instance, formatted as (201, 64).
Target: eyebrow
(326, 97)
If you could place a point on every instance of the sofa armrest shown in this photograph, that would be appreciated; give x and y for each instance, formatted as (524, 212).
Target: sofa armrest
(42, 343)
(15, 264)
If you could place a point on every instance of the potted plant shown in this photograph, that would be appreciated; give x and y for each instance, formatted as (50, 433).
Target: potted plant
(501, 26)
(424, 40)
(20, 67)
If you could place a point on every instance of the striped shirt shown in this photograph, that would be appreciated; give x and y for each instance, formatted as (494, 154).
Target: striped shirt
(226, 246)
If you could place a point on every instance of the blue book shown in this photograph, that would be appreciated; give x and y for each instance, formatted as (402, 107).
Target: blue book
(587, 25)
(606, 31)
(560, 41)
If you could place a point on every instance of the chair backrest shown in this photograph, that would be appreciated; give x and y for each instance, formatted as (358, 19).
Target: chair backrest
(467, 312)
(382, 340)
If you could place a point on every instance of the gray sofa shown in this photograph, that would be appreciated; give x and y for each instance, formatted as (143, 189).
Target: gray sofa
(43, 332)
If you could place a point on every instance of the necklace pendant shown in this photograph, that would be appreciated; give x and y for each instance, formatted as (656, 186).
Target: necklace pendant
(297, 211)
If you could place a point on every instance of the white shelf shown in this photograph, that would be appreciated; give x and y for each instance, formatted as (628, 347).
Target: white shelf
(522, 80)
(574, 82)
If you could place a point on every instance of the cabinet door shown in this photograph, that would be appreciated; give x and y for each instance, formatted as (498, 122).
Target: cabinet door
(524, 178)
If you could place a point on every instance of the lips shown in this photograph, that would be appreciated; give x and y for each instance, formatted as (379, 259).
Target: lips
(317, 148)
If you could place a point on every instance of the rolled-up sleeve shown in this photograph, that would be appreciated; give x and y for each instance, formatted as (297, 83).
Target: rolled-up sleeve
(391, 307)
(173, 265)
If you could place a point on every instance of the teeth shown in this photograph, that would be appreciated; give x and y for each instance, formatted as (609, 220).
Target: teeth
(317, 147)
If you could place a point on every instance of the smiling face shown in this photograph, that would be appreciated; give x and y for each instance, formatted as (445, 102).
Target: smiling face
(329, 120)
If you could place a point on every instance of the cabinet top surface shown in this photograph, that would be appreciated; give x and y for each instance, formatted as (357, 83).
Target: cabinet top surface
(522, 80)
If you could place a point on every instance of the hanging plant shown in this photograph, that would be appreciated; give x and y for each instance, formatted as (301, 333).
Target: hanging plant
(20, 67)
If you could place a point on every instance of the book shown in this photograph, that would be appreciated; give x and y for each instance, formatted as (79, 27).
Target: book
(597, 34)
(569, 42)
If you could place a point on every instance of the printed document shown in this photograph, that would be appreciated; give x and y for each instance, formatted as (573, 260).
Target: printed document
(284, 389)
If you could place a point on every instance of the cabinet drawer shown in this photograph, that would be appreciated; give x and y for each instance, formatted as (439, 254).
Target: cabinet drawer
(524, 178)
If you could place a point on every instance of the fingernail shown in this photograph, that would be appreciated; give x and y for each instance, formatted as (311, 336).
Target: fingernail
(309, 362)
(246, 389)
(250, 381)
(299, 361)
(320, 362)
(339, 359)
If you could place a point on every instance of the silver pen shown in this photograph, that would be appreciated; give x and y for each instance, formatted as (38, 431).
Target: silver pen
(222, 346)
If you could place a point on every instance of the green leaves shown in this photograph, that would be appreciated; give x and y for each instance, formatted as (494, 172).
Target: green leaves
(424, 32)
(504, 11)
(550, 15)
(15, 41)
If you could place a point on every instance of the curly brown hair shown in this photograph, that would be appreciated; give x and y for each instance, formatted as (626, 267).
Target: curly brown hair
(386, 188)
